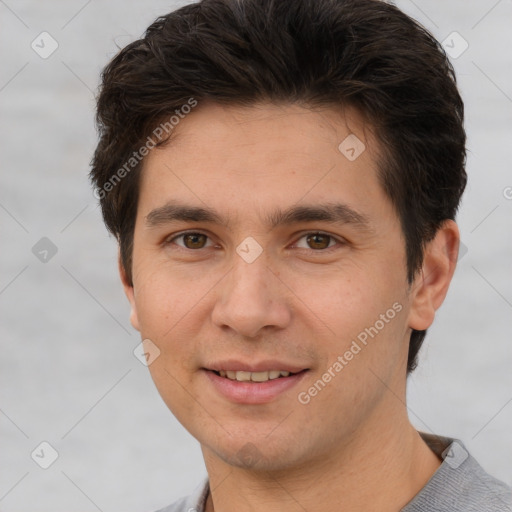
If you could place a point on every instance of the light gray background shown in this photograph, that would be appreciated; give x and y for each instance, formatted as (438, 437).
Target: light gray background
(68, 374)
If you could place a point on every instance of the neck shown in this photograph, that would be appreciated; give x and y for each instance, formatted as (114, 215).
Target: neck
(378, 469)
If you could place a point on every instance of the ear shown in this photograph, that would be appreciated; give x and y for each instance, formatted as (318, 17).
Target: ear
(130, 294)
(429, 289)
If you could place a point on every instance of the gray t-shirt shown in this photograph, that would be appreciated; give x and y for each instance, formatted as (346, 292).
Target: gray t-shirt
(460, 484)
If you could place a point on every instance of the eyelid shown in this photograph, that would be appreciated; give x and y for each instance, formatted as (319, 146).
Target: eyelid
(174, 236)
(339, 240)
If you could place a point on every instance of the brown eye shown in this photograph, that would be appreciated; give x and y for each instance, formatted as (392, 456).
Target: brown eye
(318, 241)
(194, 240)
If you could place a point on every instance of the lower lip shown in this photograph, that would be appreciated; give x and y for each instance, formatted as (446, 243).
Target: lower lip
(253, 392)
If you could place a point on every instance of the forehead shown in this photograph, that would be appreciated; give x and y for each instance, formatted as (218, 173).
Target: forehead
(277, 127)
(250, 158)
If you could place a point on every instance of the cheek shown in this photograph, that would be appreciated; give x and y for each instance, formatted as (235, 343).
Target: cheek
(172, 308)
(159, 309)
(164, 295)
(165, 307)
(364, 349)
(343, 299)
(364, 311)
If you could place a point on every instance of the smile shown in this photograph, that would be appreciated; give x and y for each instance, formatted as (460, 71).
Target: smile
(256, 387)
(243, 376)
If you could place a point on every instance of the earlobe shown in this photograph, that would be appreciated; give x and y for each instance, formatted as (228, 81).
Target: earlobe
(129, 292)
(431, 284)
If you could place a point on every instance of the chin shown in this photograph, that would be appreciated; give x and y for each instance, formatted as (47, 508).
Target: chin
(258, 454)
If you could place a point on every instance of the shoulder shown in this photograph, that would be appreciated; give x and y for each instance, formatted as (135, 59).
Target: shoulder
(195, 502)
(461, 484)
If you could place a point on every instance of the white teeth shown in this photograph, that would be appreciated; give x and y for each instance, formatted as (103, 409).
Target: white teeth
(253, 376)
(260, 376)
(243, 376)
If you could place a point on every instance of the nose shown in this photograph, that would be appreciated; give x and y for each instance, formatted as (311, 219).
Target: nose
(251, 298)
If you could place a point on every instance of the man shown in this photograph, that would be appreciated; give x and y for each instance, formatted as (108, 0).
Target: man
(283, 178)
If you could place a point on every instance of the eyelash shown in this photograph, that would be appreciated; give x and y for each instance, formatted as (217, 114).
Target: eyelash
(169, 241)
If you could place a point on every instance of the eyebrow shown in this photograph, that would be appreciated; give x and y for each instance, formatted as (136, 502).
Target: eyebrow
(338, 213)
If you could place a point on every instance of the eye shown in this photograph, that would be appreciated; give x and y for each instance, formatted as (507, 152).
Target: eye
(317, 241)
(190, 240)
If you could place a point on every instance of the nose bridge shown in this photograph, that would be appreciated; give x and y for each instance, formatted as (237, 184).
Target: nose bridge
(249, 279)
(249, 299)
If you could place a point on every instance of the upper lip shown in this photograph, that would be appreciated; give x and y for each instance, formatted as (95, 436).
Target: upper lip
(261, 366)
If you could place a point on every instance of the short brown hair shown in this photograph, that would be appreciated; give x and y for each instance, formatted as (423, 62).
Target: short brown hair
(363, 53)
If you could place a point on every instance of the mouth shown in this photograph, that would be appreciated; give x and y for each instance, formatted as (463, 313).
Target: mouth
(253, 387)
(244, 376)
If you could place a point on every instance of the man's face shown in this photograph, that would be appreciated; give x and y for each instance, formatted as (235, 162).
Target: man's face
(267, 286)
